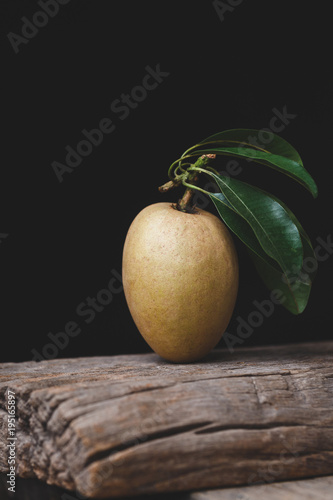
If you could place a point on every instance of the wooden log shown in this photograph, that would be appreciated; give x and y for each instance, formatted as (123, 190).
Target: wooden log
(136, 424)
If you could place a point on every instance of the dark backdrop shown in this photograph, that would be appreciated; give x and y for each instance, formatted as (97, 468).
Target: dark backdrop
(222, 65)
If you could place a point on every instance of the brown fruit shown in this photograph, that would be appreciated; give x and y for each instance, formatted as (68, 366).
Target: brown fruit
(180, 277)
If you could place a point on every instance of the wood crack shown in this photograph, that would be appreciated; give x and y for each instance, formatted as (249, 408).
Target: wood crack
(165, 433)
(236, 375)
(219, 428)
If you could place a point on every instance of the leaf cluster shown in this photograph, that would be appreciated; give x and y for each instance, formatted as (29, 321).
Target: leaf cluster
(277, 243)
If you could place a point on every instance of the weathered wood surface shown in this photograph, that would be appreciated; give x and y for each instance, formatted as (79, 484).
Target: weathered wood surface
(130, 425)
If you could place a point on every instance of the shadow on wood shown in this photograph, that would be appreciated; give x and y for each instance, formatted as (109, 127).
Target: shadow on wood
(33, 489)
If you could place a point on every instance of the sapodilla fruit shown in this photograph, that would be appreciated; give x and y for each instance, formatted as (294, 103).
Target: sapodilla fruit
(180, 278)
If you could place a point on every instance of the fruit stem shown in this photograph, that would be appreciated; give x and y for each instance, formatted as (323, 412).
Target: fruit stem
(184, 205)
(168, 185)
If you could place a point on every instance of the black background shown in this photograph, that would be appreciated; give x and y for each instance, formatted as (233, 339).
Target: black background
(65, 238)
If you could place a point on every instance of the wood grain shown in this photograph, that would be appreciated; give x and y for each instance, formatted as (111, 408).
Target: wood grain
(135, 424)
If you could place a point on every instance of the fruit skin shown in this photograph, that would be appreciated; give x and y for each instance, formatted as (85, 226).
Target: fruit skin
(180, 278)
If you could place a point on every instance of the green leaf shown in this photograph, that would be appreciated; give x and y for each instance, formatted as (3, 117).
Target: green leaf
(239, 226)
(265, 140)
(275, 230)
(296, 287)
(294, 290)
(285, 165)
(308, 252)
